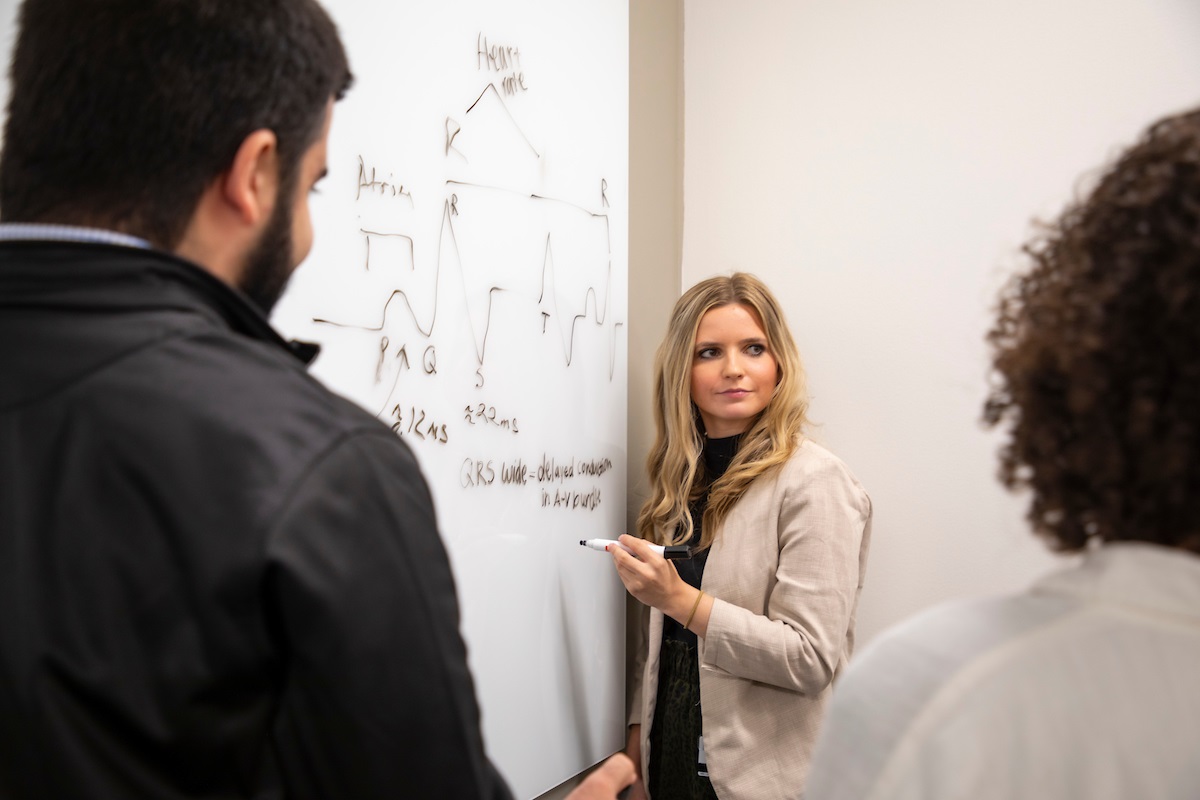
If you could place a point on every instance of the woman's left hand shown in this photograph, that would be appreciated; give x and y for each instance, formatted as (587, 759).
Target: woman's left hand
(653, 580)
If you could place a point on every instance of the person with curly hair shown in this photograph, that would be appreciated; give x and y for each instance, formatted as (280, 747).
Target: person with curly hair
(744, 638)
(1084, 686)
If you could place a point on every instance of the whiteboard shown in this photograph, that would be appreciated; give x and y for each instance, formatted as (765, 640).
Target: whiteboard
(468, 286)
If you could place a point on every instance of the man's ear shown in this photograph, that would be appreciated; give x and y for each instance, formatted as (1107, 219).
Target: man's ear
(233, 209)
(251, 183)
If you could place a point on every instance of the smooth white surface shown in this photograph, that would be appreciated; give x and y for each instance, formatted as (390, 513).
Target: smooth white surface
(878, 164)
(471, 247)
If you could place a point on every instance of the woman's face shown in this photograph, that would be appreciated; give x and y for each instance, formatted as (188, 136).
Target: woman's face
(733, 372)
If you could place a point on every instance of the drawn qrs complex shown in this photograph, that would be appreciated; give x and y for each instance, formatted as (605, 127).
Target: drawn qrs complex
(600, 313)
(600, 316)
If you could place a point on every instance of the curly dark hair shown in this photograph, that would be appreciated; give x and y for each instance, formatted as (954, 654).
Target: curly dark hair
(1097, 350)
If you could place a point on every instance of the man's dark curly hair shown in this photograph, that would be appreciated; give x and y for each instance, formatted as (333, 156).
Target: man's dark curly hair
(1097, 350)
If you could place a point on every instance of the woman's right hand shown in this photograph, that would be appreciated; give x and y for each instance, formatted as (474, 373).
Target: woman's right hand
(654, 581)
(649, 577)
(633, 749)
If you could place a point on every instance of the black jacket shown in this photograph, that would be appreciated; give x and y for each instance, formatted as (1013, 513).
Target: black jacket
(217, 578)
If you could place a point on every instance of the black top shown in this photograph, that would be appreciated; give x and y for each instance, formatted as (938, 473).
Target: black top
(217, 579)
(717, 455)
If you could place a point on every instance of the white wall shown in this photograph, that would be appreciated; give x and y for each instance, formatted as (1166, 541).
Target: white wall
(878, 163)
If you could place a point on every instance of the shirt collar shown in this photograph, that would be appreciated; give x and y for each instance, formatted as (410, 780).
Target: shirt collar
(1136, 576)
(46, 232)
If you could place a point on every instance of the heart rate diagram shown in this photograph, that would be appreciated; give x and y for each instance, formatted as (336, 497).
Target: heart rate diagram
(511, 286)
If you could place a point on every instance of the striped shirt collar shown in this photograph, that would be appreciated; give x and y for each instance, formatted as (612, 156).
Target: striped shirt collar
(43, 232)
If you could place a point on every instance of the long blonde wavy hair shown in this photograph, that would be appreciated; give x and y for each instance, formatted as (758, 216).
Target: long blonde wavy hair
(676, 474)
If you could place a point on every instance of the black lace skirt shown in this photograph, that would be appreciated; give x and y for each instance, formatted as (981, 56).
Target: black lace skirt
(675, 733)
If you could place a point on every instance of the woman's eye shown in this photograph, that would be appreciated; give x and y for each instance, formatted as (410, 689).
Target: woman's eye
(708, 352)
(756, 349)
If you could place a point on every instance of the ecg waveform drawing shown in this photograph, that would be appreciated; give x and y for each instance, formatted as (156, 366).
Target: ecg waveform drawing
(511, 261)
(549, 305)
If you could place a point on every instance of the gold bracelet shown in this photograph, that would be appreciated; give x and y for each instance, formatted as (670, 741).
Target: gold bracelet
(694, 607)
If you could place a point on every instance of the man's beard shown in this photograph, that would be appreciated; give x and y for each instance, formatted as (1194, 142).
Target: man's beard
(269, 265)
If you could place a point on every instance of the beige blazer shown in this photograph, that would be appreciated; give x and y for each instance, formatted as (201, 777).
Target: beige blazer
(785, 573)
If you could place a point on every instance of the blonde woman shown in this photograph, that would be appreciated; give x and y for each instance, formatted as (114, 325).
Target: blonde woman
(744, 638)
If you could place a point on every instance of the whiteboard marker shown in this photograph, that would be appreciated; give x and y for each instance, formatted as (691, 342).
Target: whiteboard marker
(668, 551)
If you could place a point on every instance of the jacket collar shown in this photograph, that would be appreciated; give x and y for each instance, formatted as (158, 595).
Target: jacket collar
(1140, 577)
(106, 275)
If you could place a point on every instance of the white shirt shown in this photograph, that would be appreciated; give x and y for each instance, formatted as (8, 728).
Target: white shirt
(1086, 686)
